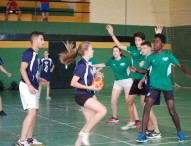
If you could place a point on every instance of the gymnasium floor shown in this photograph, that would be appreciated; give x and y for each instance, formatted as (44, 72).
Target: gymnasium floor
(60, 120)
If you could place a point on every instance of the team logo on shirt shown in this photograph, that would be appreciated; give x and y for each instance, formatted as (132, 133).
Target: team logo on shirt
(165, 58)
(149, 93)
(122, 64)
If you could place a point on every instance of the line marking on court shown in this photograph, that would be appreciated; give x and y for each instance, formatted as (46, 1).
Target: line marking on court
(71, 126)
(125, 142)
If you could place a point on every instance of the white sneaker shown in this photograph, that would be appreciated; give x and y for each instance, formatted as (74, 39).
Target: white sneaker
(33, 141)
(23, 143)
(130, 125)
(48, 98)
(84, 138)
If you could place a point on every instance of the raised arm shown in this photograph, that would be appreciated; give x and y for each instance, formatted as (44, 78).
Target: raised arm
(111, 33)
(158, 29)
(184, 69)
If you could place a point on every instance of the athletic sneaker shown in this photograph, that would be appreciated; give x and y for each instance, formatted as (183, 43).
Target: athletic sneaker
(137, 123)
(154, 135)
(141, 138)
(112, 120)
(2, 113)
(22, 143)
(149, 131)
(130, 125)
(181, 136)
(84, 138)
(48, 98)
(33, 141)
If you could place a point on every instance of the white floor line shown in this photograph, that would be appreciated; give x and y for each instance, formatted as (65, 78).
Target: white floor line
(71, 126)
(125, 142)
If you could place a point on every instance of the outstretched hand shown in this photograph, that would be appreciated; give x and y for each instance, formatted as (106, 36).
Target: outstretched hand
(158, 29)
(9, 75)
(110, 29)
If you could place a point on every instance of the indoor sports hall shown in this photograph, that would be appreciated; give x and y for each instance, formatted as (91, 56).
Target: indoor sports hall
(60, 119)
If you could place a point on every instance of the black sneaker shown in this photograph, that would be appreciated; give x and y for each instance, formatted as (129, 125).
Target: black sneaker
(2, 113)
(154, 135)
(149, 131)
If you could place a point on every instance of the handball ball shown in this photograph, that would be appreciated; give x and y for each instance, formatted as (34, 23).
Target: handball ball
(98, 82)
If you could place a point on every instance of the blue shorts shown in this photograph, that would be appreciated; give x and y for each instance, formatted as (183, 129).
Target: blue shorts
(45, 76)
(44, 7)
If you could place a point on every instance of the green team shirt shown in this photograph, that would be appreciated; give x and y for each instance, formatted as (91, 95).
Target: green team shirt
(160, 70)
(120, 68)
(93, 61)
(137, 57)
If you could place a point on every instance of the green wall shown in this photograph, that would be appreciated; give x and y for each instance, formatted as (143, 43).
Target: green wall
(73, 28)
(179, 37)
(11, 58)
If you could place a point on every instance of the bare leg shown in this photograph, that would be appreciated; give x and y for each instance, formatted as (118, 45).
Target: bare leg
(30, 131)
(114, 100)
(130, 103)
(43, 16)
(100, 111)
(146, 113)
(153, 123)
(19, 15)
(6, 15)
(88, 114)
(135, 113)
(173, 114)
(31, 115)
(48, 89)
(46, 15)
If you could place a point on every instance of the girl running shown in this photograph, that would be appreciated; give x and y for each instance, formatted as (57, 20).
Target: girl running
(92, 109)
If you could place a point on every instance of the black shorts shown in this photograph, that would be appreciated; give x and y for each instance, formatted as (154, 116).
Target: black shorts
(135, 90)
(82, 98)
(155, 94)
(157, 101)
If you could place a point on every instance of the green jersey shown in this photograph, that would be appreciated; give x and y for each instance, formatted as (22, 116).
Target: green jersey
(120, 68)
(93, 61)
(137, 57)
(160, 70)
